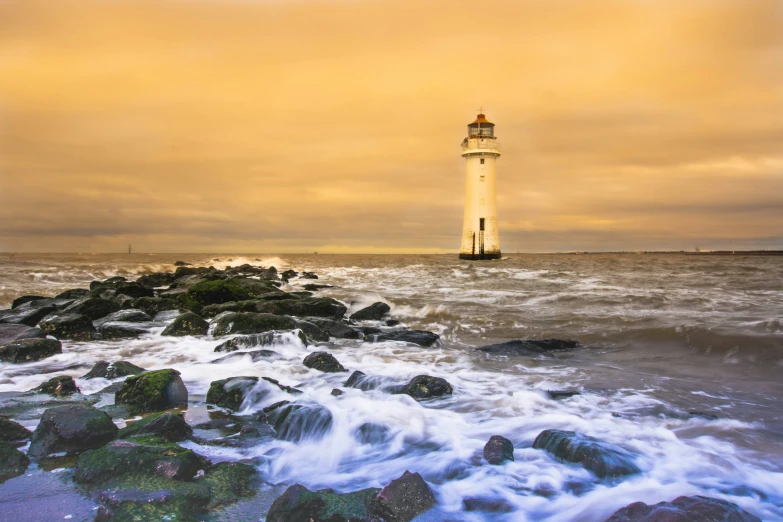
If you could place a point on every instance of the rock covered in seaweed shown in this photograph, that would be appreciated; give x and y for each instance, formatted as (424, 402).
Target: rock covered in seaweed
(169, 426)
(427, 387)
(324, 362)
(75, 327)
(299, 503)
(71, 428)
(251, 323)
(152, 391)
(230, 393)
(58, 386)
(11, 431)
(187, 324)
(684, 509)
(602, 458)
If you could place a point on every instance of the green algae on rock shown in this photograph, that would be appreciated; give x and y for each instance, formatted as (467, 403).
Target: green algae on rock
(71, 428)
(188, 323)
(12, 462)
(169, 426)
(11, 431)
(59, 386)
(230, 393)
(152, 391)
(299, 503)
(250, 323)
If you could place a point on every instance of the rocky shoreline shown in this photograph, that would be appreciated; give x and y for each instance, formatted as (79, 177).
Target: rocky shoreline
(143, 472)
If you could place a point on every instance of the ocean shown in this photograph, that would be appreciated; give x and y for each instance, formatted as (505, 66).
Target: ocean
(680, 361)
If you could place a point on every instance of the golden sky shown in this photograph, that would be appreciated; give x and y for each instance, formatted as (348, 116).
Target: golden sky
(300, 125)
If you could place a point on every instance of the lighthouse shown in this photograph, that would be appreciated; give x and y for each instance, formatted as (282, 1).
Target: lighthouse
(480, 238)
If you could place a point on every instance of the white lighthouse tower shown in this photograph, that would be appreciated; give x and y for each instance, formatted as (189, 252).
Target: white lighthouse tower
(480, 239)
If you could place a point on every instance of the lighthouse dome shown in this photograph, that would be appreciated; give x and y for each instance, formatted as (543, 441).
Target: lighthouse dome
(482, 128)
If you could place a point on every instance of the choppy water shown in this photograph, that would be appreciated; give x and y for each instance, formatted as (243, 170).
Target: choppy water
(662, 335)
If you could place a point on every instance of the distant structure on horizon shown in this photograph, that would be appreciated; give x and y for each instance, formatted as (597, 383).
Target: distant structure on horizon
(480, 237)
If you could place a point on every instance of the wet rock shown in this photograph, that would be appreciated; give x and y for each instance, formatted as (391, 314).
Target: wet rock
(374, 312)
(371, 433)
(489, 505)
(169, 426)
(282, 387)
(59, 386)
(73, 293)
(308, 275)
(19, 301)
(336, 392)
(12, 462)
(15, 332)
(120, 330)
(602, 458)
(703, 415)
(187, 324)
(300, 421)
(75, 327)
(28, 350)
(427, 387)
(11, 431)
(181, 263)
(229, 482)
(404, 498)
(128, 315)
(332, 328)
(420, 337)
(152, 391)
(298, 503)
(392, 322)
(135, 290)
(355, 379)
(312, 331)
(308, 306)
(684, 509)
(250, 323)
(107, 370)
(289, 274)
(214, 292)
(93, 307)
(270, 338)
(72, 429)
(157, 280)
(529, 347)
(255, 356)
(29, 313)
(324, 362)
(230, 393)
(562, 394)
(314, 287)
(154, 305)
(498, 450)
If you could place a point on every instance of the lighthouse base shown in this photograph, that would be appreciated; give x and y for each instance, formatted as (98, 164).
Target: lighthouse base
(486, 256)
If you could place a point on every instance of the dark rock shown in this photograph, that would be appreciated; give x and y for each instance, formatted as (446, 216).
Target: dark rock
(11, 431)
(155, 305)
(169, 426)
(299, 504)
(562, 394)
(498, 450)
(374, 312)
(157, 279)
(71, 428)
(392, 322)
(371, 433)
(120, 330)
(703, 415)
(489, 505)
(300, 421)
(314, 288)
(187, 324)
(135, 290)
(29, 313)
(312, 331)
(73, 293)
(300, 294)
(529, 347)
(230, 393)
(368, 331)
(15, 332)
(684, 509)
(282, 387)
(181, 263)
(426, 387)
(602, 458)
(334, 328)
(308, 275)
(228, 482)
(420, 337)
(12, 462)
(28, 350)
(355, 379)
(93, 307)
(106, 370)
(59, 386)
(403, 499)
(25, 299)
(214, 292)
(289, 274)
(152, 391)
(68, 326)
(309, 306)
(324, 362)
(249, 323)
(255, 356)
(128, 315)
(336, 392)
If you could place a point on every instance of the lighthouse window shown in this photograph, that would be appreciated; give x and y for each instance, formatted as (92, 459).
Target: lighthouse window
(481, 178)
(482, 161)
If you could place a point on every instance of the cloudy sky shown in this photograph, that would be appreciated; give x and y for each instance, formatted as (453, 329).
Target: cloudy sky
(292, 126)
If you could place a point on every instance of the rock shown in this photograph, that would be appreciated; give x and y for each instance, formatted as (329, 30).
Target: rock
(230, 393)
(371, 433)
(11, 431)
(684, 509)
(19, 301)
(426, 387)
(213, 292)
(498, 450)
(153, 391)
(420, 337)
(289, 274)
(181, 263)
(250, 323)
(75, 327)
(403, 499)
(155, 305)
(106, 370)
(187, 324)
(312, 331)
(298, 503)
(15, 332)
(169, 426)
(59, 386)
(300, 421)
(270, 338)
(336, 392)
(28, 350)
(29, 313)
(314, 288)
(228, 482)
(355, 379)
(334, 328)
(324, 362)
(308, 306)
(529, 347)
(73, 293)
(703, 415)
(128, 315)
(602, 458)
(157, 279)
(12, 462)
(374, 312)
(72, 429)
(93, 307)
(309, 275)
(120, 330)
(490, 505)
(135, 290)
(562, 394)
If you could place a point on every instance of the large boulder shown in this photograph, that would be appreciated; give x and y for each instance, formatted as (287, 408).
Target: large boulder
(119, 330)
(228, 482)
(60, 386)
(19, 301)
(312, 331)
(334, 328)
(152, 391)
(157, 279)
(71, 428)
(93, 307)
(427, 387)
(73, 293)
(230, 393)
(298, 503)
(107, 370)
(28, 350)
(270, 338)
(420, 337)
(533, 347)
(155, 305)
(29, 313)
(498, 450)
(12, 462)
(134, 290)
(374, 312)
(187, 324)
(308, 306)
(11, 431)
(75, 327)
(169, 426)
(250, 323)
(602, 458)
(15, 332)
(324, 362)
(299, 421)
(213, 292)
(404, 498)
(684, 509)
(128, 315)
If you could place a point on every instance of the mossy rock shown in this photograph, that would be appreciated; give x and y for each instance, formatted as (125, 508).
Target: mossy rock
(188, 323)
(75, 327)
(299, 421)
(154, 305)
(11, 431)
(29, 350)
(427, 387)
(324, 362)
(299, 503)
(168, 426)
(250, 323)
(152, 391)
(71, 428)
(303, 307)
(229, 482)
(230, 393)
(59, 386)
(214, 292)
(12, 462)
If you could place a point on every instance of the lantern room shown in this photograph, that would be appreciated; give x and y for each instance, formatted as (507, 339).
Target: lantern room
(481, 128)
